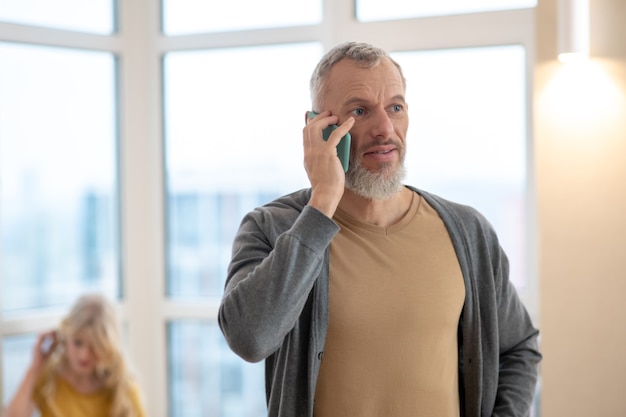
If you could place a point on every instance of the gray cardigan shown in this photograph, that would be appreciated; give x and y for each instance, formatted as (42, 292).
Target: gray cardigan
(275, 308)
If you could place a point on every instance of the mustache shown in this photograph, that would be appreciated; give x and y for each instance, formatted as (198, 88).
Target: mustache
(376, 142)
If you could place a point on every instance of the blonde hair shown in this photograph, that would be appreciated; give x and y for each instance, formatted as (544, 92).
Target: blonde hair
(94, 316)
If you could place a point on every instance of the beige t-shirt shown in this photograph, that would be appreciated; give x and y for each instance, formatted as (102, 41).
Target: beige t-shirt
(396, 295)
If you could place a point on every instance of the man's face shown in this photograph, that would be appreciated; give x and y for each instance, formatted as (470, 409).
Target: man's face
(375, 98)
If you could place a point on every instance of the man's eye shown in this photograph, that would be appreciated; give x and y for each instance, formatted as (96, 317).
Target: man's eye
(358, 112)
(396, 108)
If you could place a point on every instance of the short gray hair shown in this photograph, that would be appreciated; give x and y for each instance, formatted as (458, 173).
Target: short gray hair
(363, 54)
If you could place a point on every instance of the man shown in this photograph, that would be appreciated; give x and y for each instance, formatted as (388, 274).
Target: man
(366, 297)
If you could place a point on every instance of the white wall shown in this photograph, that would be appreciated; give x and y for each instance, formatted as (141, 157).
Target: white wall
(580, 134)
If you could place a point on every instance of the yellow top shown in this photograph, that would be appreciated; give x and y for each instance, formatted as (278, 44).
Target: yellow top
(70, 403)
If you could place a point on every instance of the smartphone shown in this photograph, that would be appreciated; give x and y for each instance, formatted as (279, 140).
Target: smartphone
(49, 343)
(343, 149)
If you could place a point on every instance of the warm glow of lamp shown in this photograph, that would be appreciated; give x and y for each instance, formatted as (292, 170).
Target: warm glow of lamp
(573, 26)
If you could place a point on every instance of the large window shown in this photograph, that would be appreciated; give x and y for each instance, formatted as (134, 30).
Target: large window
(223, 132)
(134, 135)
(222, 137)
(206, 378)
(195, 16)
(58, 183)
(467, 135)
(95, 16)
(58, 176)
(376, 10)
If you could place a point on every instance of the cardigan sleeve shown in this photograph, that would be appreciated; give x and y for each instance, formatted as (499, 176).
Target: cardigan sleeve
(270, 276)
(519, 355)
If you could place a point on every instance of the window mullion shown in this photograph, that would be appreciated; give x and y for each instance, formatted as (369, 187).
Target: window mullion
(142, 197)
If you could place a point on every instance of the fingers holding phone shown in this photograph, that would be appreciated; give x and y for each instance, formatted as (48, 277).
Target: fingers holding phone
(337, 136)
(47, 342)
(44, 347)
(343, 147)
(326, 157)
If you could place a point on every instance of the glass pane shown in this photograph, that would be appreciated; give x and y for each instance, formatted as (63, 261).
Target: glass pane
(58, 176)
(16, 358)
(207, 379)
(95, 16)
(233, 128)
(467, 136)
(376, 10)
(197, 16)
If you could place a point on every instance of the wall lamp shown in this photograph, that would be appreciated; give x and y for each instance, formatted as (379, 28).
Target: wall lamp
(573, 30)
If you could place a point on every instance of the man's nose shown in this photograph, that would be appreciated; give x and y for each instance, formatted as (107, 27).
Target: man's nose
(382, 127)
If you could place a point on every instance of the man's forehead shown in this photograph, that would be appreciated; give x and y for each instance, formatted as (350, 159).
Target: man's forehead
(355, 99)
(352, 76)
(347, 70)
(350, 80)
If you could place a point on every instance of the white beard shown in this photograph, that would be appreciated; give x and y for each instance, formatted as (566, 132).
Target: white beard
(379, 185)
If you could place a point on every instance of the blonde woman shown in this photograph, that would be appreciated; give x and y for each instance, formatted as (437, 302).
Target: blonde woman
(79, 369)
